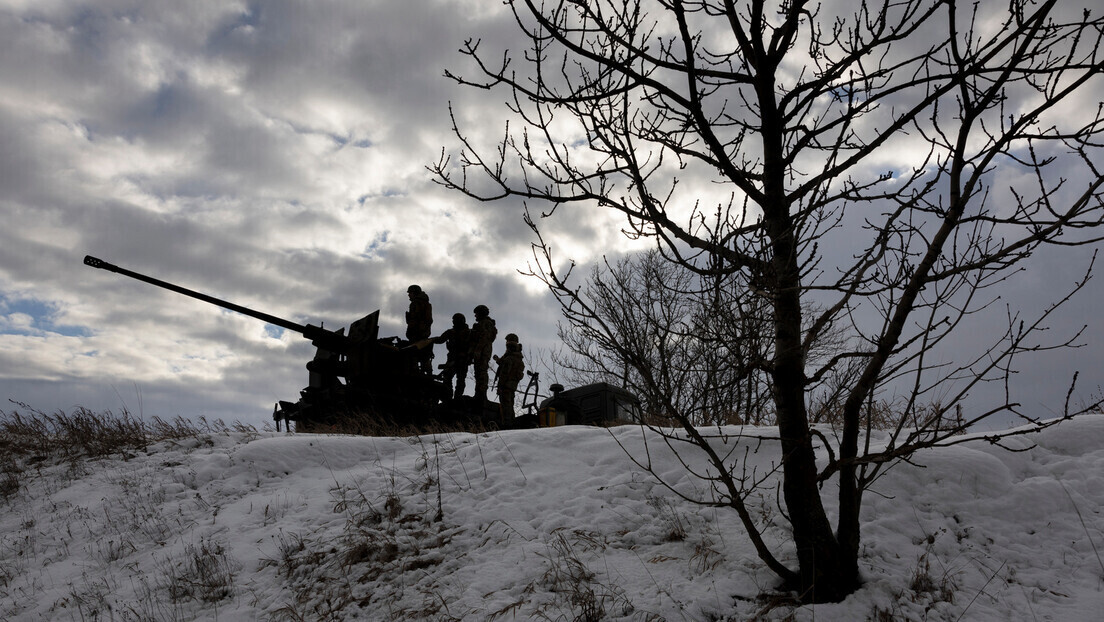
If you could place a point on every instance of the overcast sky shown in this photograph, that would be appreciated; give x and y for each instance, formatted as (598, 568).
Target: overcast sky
(273, 154)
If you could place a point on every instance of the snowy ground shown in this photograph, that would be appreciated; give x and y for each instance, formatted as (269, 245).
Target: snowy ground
(551, 524)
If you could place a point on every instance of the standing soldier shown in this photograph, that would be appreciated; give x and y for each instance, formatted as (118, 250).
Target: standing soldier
(483, 333)
(458, 342)
(511, 369)
(419, 319)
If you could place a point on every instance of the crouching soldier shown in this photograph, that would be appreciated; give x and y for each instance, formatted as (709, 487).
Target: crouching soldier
(483, 333)
(458, 342)
(511, 369)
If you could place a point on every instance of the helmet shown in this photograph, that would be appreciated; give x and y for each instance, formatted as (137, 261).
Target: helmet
(482, 310)
(413, 289)
(512, 337)
(458, 318)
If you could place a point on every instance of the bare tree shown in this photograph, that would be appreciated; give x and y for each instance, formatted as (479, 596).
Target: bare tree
(684, 342)
(887, 164)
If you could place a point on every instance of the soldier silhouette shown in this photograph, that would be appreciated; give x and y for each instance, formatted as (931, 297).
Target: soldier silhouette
(511, 369)
(419, 320)
(458, 342)
(483, 333)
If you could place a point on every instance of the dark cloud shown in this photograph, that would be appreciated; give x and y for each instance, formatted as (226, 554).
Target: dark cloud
(235, 152)
(20, 170)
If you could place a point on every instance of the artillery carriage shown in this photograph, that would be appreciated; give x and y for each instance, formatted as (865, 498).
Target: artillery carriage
(356, 381)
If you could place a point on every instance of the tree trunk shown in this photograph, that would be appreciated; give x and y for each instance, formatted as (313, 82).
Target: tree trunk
(824, 571)
(824, 574)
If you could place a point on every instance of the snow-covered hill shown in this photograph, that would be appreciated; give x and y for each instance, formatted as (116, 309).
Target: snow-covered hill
(554, 524)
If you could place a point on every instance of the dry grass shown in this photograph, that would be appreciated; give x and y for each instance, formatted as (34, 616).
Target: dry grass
(82, 433)
(39, 450)
(205, 572)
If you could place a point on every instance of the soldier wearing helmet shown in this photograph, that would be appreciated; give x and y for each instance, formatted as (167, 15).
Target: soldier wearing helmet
(511, 369)
(483, 333)
(458, 341)
(419, 320)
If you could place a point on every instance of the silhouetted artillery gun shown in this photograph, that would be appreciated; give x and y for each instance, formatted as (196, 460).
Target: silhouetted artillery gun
(358, 382)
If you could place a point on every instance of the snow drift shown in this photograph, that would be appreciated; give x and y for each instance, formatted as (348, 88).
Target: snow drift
(556, 524)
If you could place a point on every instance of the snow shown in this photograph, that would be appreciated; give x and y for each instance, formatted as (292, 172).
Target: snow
(555, 524)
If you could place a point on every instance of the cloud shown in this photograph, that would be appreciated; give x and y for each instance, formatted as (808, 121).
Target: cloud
(271, 154)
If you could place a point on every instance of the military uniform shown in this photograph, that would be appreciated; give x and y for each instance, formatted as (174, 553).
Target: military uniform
(458, 342)
(419, 320)
(511, 369)
(483, 333)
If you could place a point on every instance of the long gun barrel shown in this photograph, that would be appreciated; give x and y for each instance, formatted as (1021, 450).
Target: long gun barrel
(314, 333)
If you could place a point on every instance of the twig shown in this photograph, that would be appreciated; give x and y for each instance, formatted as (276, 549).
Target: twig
(1083, 525)
(979, 592)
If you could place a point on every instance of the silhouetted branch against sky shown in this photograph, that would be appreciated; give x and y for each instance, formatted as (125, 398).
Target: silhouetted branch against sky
(883, 123)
